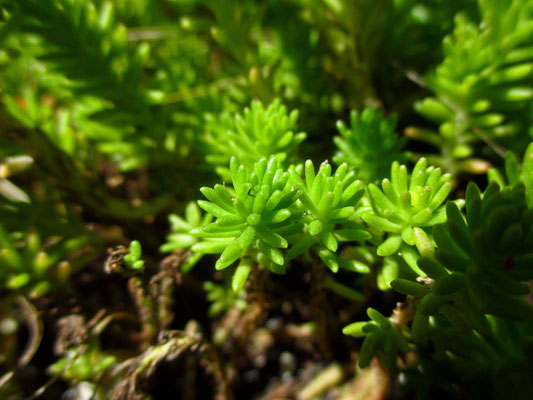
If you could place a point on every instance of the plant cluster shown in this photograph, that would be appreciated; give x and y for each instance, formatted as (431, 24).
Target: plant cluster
(221, 117)
(482, 86)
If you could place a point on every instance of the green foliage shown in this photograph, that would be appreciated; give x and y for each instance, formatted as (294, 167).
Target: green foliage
(25, 270)
(223, 298)
(37, 236)
(270, 209)
(76, 71)
(133, 260)
(34, 259)
(489, 254)
(78, 38)
(328, 203)
(469, 293)
(441, 296)
(516, 173)
(85, 365)
(381, 336)
(257, 133)
(370, 145)
(84, 44)
(252, 218)
(123, 109)
(181, 237)
(482, 87)
(404, 203)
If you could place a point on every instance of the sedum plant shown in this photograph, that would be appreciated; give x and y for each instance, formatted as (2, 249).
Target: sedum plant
(482, 87)
(270, 209)
(85, 365)
(181, 237)
(251, 219)
(469, 294)
(25, 271)
(223, 298)
(488, 253)
(516, 173)
(260, 132)
(33, 265)
(370, 145)
(125, 108)
(133, 260)
(381, 336)
(407, 202)
(328, 202)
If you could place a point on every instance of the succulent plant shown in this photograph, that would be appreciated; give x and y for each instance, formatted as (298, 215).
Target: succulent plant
(370, 145)
(258, 133)
(405, 202)
(251, 218)
(329, 205)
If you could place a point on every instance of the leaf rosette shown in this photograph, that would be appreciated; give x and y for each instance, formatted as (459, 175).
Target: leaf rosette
(252, 218)
(328, 202)
(405, 202)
